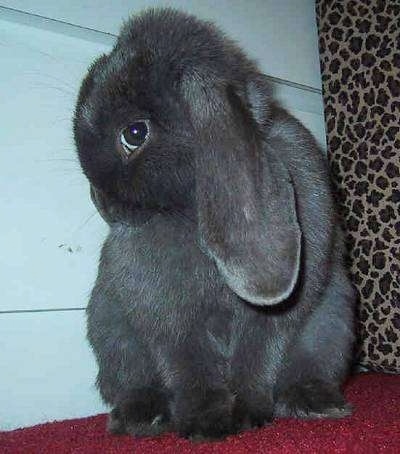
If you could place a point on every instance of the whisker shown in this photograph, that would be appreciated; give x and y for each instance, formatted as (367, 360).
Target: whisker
(80, 227)
(54, 78)
(44, 85)
(57, 159)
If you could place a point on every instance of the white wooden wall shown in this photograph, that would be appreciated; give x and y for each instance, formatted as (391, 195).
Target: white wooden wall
(50, 233)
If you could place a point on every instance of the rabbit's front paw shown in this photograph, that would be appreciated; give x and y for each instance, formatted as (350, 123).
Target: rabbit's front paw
(313, 399)
(207, 419)
(252, 414)
(145, 414)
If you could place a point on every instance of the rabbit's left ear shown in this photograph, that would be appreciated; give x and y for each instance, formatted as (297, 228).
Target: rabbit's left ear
(245, 198)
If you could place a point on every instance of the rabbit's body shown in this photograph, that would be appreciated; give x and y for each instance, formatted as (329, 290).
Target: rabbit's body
(206, 317)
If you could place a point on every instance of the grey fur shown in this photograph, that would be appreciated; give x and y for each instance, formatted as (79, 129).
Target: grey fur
(222, 298)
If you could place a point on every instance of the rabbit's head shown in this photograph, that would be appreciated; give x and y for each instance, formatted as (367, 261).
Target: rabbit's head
(175, 118)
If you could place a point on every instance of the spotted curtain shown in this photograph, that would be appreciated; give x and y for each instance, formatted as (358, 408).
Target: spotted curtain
(359, 43)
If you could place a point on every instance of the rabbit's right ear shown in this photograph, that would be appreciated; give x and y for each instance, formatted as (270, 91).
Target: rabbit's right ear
(245, 199)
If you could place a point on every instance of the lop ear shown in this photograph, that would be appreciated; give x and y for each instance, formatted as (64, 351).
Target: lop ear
(245, 198)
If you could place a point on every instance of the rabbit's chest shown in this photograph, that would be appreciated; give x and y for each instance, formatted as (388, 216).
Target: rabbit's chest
(168, 288)
(160, 269)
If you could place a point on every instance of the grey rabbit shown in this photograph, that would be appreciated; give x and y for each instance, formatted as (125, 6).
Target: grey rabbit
(222, 298)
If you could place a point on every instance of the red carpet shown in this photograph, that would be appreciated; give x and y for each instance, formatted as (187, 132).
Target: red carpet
(373, 428)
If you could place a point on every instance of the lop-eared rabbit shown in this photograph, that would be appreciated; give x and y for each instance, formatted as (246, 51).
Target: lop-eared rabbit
(222, 299)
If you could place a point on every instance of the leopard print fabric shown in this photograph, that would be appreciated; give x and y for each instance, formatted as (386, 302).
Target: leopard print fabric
(359, 42)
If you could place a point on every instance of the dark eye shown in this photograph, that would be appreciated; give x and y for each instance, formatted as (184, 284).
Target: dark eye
(134, 135)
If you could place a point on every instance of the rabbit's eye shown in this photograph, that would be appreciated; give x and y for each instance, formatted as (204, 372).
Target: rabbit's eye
(134, 135)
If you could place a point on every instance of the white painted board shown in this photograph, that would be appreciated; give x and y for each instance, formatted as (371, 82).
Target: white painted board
(47, 369)
(281, 34)
(50, 232)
